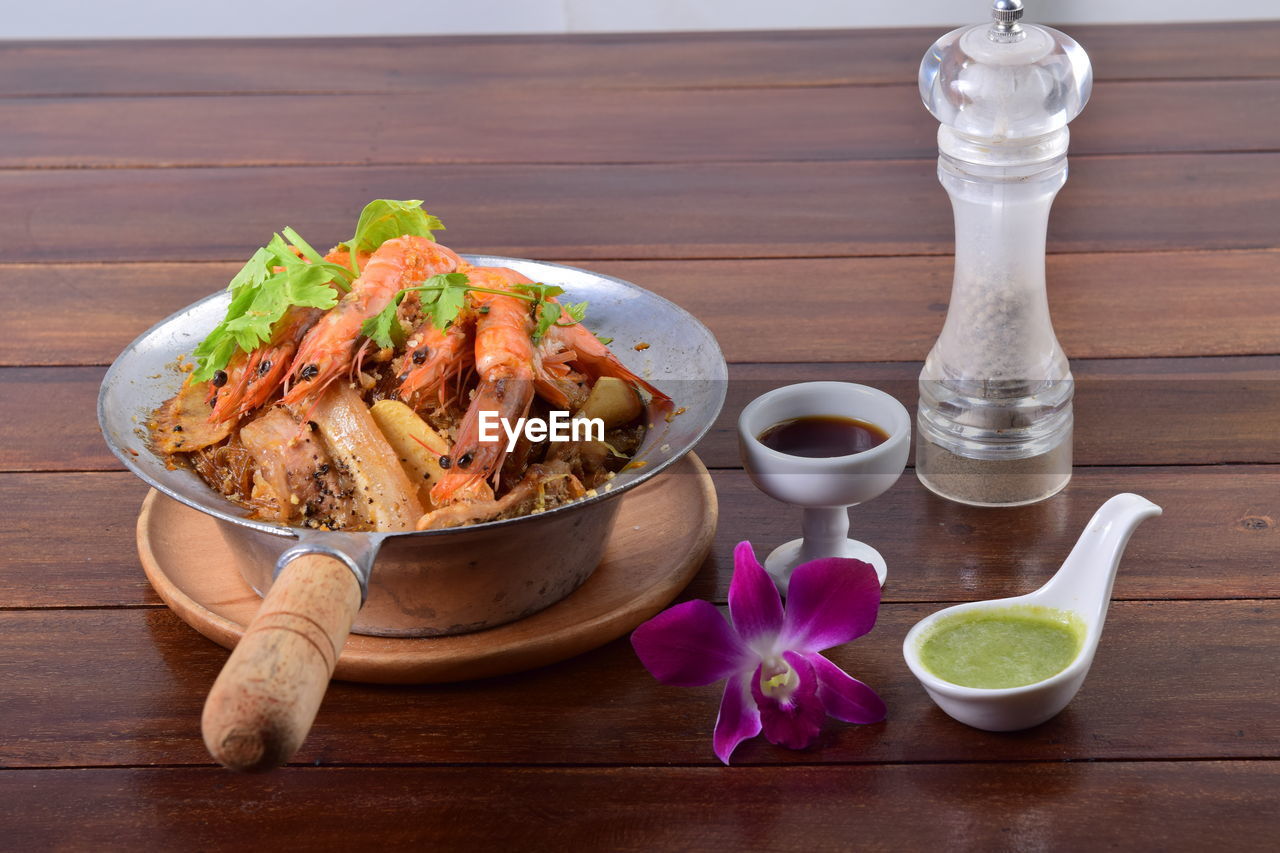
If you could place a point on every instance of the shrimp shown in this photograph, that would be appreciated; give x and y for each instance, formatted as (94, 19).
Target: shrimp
(594, 358)
(329, 349)
(251, 378)
(505, 358)
(438, 355)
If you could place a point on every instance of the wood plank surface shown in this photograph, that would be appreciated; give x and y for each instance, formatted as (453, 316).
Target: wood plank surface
(781, 187)
(1217, 538)
(1163, 805)
(1166, 411)
(1170, 680)
(1168, 202)
(594, 126)
(71, 541)
(837, 309)
(624, 60)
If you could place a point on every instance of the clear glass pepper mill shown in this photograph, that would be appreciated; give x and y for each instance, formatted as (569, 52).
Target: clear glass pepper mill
(995, 414)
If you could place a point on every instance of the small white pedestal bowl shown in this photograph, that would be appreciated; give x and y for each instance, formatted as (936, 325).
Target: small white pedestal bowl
(825, 486)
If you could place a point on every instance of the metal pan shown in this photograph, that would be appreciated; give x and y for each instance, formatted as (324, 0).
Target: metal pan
(401, 584)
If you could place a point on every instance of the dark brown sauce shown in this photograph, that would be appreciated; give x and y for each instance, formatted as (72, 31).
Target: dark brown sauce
(820, 436)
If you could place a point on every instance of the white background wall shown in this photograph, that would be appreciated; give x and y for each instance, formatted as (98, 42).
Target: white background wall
(51, 19)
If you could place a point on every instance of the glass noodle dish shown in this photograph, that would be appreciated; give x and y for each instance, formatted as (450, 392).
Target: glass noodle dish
(380, 387)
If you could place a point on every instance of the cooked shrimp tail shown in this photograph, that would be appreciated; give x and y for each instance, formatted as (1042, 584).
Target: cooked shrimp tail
(596, 359)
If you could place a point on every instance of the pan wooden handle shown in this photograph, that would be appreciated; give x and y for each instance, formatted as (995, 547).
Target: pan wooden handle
(266, 697)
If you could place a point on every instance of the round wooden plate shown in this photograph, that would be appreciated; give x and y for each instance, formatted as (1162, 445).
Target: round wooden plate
(662, 535)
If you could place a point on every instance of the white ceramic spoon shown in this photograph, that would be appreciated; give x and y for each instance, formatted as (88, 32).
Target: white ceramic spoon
(1082, 586)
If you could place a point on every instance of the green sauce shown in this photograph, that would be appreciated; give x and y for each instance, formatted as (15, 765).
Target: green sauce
(1002, 647)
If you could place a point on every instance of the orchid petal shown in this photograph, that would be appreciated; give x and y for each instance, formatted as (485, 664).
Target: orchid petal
(830, 602)
(690, 645)
(795, 719)
(739, 719)
(845, 697)
(754, 603)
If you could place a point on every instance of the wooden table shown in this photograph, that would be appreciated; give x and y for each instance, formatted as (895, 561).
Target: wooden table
(781, 186)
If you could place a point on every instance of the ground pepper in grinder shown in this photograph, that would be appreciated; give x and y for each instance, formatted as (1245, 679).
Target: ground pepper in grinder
(995, 414)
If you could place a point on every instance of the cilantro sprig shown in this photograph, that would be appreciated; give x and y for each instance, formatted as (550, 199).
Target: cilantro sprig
(261, 294)
(549, 312)
(274, 279)
(443, 297)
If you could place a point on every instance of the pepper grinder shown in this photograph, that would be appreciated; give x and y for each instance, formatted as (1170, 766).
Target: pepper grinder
(994, 421)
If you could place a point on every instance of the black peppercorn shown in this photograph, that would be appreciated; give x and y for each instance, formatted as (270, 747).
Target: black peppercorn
(446, 463)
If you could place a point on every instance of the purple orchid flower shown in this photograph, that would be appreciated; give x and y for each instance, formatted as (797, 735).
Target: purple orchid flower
(777, 680)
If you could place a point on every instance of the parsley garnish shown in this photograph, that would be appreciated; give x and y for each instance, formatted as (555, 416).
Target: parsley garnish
(550, 313)
(442, 299)
(545, 312)
(384, 219)
(448, 296)
(384, 328)
(261, 294)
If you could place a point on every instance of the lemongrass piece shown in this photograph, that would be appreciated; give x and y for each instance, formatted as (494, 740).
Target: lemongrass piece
(417, 444)
(383, 491)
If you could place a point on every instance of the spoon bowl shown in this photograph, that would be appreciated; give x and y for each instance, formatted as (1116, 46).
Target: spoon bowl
(1082, 588)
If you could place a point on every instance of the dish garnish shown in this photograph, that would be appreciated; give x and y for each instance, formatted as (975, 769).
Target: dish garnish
(390, 385)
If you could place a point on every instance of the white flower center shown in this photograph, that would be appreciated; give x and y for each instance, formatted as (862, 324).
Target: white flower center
(777, 679)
